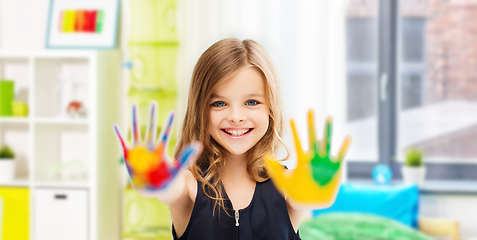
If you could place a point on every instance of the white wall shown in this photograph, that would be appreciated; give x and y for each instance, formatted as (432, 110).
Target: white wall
(23, 24)
(24, 27)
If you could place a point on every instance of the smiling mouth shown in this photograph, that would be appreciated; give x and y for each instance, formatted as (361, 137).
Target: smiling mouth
(236, 132)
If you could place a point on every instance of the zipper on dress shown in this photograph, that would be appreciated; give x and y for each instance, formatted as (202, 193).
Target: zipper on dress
(237, 218)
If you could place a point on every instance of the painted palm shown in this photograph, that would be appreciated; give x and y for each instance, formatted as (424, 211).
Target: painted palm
(316, 179)
(148, 165)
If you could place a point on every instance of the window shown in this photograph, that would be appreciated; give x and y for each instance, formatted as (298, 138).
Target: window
(362, 68)
(412, 62)
(412, 82)
(361, 82)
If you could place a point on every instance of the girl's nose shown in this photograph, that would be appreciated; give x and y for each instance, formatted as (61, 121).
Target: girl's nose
(236, 116)
(236, 120)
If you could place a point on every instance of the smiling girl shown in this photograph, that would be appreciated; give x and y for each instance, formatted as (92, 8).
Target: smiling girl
(233, 121)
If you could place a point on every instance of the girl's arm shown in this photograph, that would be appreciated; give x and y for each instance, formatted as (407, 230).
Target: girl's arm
(181, 208)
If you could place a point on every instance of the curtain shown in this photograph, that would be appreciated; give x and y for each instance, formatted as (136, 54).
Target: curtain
(305, 40)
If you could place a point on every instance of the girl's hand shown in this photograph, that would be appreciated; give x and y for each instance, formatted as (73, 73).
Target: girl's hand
(316, 179)
(148, 165)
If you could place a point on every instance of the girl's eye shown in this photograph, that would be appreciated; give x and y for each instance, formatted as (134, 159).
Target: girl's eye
(251, 102)
(218, 104)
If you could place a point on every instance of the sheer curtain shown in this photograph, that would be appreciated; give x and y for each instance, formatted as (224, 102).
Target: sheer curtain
(305, 40)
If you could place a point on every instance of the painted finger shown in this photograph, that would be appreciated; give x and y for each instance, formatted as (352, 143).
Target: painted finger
(166, 130)
(299, 151)
(135, 133)
(275, 171)
(189, 155)
(151, 127)
(327, 136)
(121, 141)
(344, 148)
(311, 132)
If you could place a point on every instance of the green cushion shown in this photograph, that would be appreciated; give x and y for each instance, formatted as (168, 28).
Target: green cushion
(355, 226)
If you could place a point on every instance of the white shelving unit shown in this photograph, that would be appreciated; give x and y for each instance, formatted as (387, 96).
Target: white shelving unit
(82, 201)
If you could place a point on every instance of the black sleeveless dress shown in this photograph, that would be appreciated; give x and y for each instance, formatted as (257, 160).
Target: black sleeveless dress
(265, 218)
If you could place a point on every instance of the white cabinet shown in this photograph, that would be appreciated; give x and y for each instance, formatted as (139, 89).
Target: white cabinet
(72, 155)
(60, 214)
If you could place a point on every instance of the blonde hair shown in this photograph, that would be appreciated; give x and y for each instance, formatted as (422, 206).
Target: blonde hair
(215, 66)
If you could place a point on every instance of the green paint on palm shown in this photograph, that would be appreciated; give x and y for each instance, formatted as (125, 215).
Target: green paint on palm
(323, 167)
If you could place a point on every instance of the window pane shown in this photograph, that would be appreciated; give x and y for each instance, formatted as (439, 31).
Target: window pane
(362, 65)
(438, 79)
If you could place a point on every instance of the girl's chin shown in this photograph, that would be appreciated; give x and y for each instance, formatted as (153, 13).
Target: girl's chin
(237, 151)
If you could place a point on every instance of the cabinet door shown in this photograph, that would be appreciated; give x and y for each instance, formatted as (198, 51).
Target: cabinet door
(15, 213)
(60, 214)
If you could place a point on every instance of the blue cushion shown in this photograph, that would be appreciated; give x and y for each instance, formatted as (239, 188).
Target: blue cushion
(400, 203)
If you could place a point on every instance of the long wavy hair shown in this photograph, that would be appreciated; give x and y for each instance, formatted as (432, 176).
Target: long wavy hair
(216, 65)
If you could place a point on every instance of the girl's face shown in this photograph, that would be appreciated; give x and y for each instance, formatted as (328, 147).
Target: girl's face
(239, 112)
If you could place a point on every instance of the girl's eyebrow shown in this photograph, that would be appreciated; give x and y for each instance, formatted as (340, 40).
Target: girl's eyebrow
(255, 95)
(216, 96)
(249, 95)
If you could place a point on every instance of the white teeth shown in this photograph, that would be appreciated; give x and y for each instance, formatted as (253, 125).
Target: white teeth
(235, 132)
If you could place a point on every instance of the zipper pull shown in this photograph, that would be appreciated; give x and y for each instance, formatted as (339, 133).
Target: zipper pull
(237, 218)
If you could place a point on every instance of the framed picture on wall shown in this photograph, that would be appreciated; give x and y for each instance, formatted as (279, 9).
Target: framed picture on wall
(83, 24)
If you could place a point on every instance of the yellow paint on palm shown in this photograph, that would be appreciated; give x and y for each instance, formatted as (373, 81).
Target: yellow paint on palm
(300, 185)
(138, 181)
(141, 159)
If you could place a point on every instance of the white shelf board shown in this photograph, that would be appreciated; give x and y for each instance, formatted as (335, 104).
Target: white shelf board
(14, 120)
(75, 121)
(15, 183)
(62, 184)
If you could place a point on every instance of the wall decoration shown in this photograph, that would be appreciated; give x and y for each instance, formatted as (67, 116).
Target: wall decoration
(88, 24)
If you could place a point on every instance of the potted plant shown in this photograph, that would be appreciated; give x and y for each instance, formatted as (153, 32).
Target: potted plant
(7, 163)
(413, 170)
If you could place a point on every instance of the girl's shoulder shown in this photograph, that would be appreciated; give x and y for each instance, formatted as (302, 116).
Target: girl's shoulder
(191, 184)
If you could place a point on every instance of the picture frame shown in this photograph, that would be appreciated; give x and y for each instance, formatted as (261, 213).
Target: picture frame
(82, 24)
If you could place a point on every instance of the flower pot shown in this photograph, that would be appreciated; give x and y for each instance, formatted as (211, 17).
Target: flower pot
(7, 170)
(413, 175)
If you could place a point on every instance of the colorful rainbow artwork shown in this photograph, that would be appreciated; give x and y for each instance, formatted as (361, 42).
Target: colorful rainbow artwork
(81, 21)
